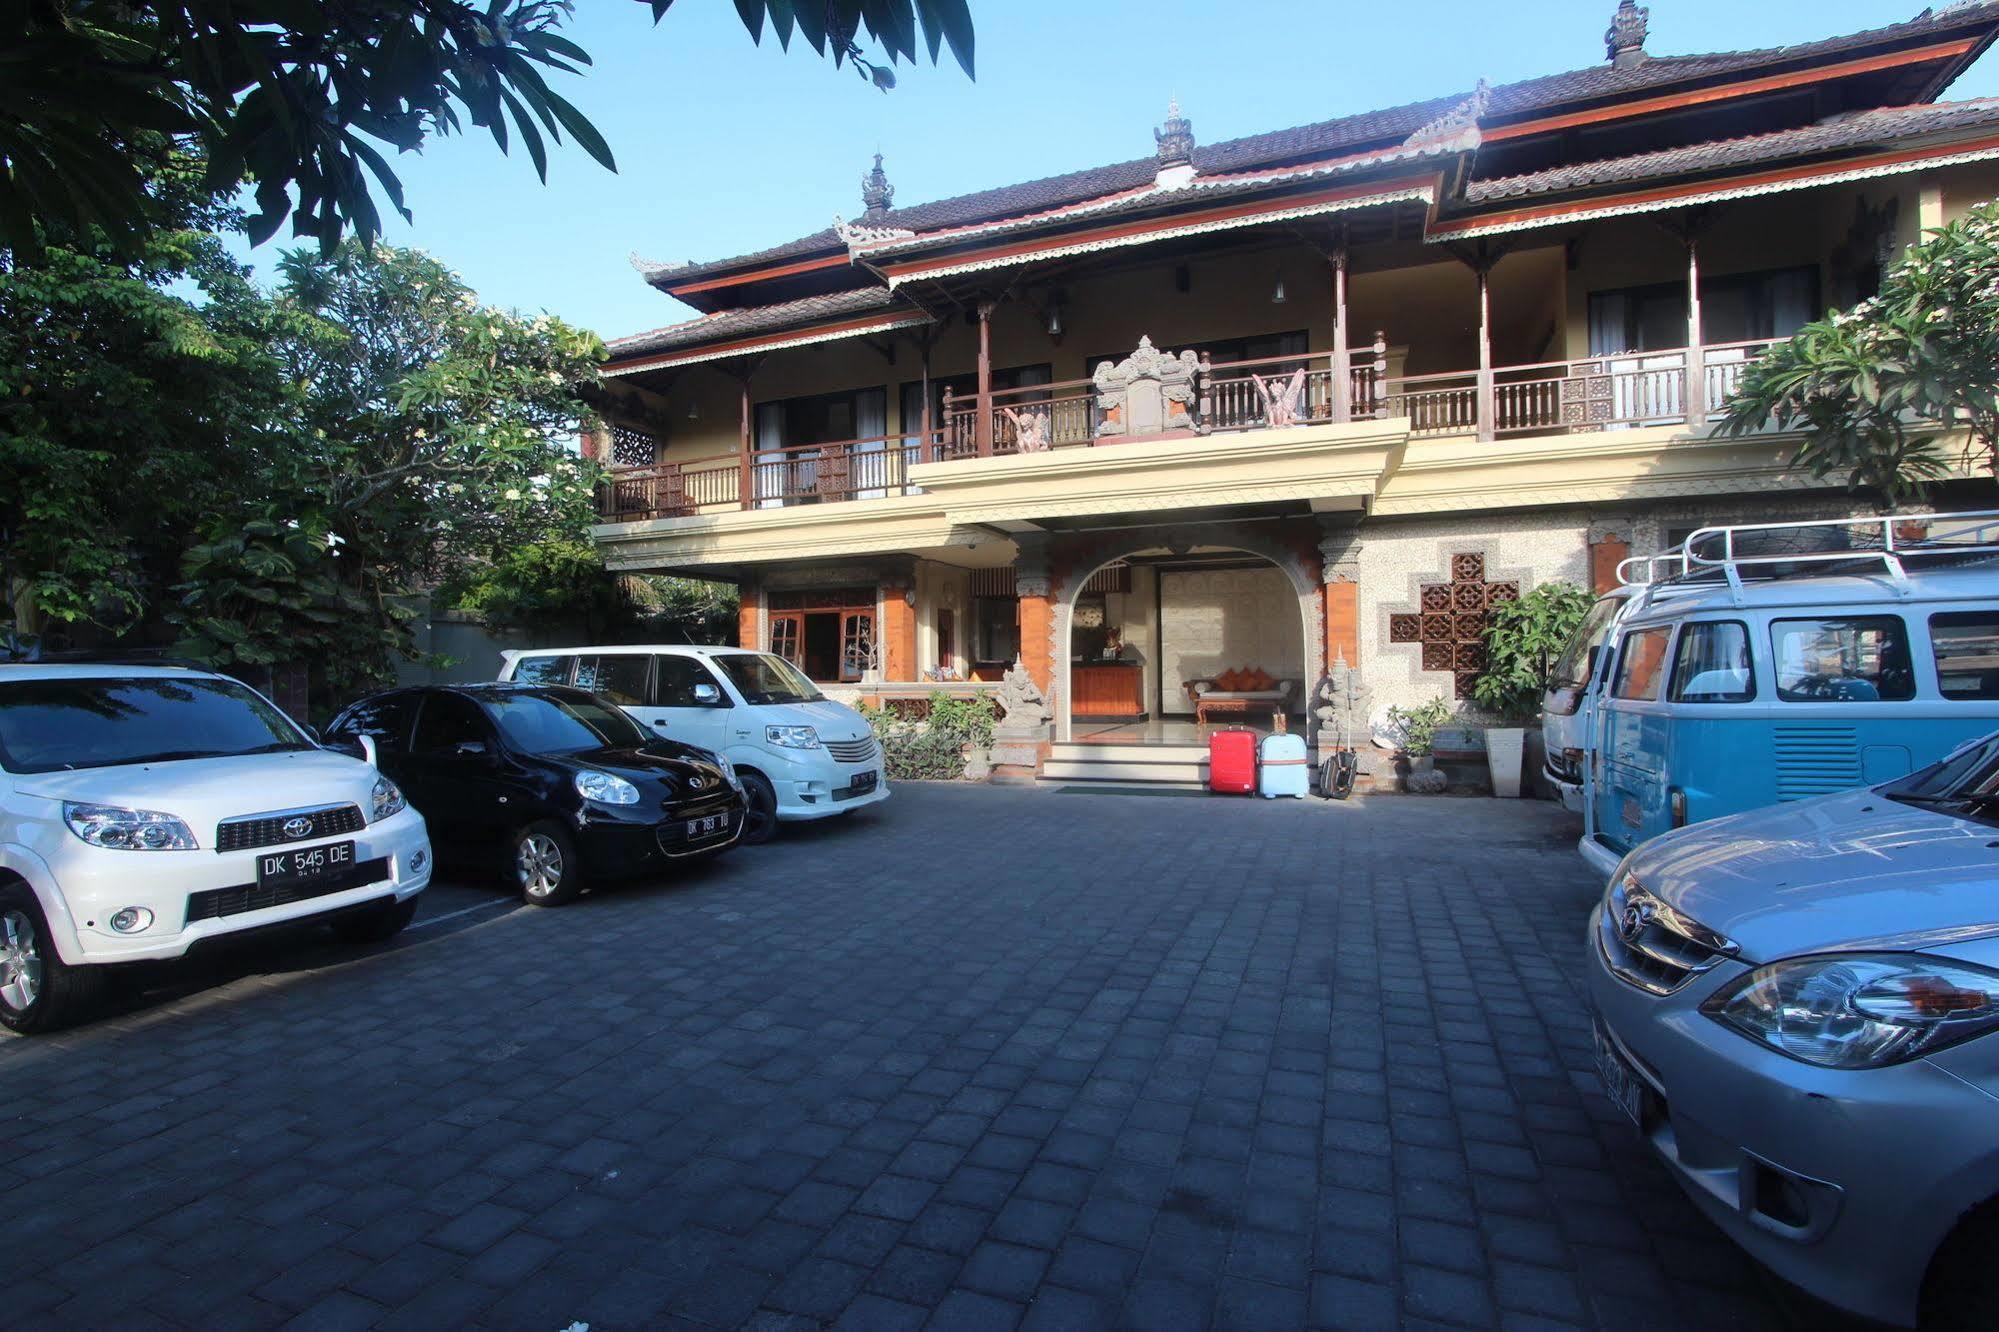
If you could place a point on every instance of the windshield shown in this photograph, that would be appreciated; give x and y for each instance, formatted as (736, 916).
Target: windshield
(50, 725)
(545, 724)
(1573, 667)
(1967, 781)
(763, 678)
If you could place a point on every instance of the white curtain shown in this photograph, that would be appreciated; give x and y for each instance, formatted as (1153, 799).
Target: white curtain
(872, 464)
(769, 470)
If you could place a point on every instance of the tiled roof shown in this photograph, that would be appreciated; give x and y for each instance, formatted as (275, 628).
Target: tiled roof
(1345, 133)
(1857, 130)
(760, 319)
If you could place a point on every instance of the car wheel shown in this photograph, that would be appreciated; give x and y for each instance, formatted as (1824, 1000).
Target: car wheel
(759, 809)
(546, 867)
(377, 923)
(38, 990)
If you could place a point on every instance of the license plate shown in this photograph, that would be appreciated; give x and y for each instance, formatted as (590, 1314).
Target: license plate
(1621, 1082)
(712, 823)
(863, 782)
(305, 862)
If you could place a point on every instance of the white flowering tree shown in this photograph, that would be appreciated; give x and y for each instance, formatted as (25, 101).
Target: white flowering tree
(1894, 392)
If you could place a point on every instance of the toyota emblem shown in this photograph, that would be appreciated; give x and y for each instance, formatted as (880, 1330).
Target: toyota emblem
(1636, 917)
(297, 828)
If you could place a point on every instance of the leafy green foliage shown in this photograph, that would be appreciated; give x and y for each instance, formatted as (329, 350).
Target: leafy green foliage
(302, 100)
(1419, 725)
(1877, 387)
(125, 409)
(264, 592)
(1523, 642)
(931, 747)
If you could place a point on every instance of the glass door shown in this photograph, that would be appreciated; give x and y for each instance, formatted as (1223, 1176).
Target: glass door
(857, 643)
(786, 633)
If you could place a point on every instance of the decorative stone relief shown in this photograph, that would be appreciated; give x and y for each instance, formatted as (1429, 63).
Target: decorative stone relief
(1148, 393)
(1449, 629)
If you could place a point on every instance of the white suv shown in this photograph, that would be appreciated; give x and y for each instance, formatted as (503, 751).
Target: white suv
(145, 809)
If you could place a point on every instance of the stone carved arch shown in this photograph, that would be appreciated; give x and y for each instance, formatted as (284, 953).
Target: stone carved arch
(1077, 563)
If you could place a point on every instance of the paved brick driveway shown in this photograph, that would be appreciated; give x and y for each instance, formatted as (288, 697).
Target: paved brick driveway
(979, 1058)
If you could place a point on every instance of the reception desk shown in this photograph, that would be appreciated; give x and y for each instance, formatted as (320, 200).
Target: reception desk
(1104, 690)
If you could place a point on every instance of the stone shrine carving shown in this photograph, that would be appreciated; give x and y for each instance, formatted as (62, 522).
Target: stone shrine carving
(1150, 392)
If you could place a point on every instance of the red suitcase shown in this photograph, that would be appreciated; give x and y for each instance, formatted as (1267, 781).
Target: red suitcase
(1232, 762)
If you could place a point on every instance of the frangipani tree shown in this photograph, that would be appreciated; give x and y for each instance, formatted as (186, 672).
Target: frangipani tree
(1882, 389)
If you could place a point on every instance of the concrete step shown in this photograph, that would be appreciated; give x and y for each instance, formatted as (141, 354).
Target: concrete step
(1066, 772)
(1165, 755)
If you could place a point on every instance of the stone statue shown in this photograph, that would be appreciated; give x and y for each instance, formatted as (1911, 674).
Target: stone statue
(1280, 405)
(1030, 428)
(1021, 700)
(1340, 703)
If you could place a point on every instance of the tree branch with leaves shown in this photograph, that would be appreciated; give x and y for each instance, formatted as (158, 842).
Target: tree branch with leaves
(1881, 389)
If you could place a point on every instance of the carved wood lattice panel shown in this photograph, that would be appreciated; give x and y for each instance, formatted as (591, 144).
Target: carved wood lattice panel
(1449, 626)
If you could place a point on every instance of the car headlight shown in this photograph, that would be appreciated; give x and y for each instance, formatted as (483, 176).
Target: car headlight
(119, 829)
(1860, 1010)
(387, 800)
(792, 737)
(606, 789)
(728, 771)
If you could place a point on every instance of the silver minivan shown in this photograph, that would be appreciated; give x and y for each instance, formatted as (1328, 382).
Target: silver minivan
(1796, 1008)
(798, 754)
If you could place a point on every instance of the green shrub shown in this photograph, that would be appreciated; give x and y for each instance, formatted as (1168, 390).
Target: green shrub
(1522, 644)
(931, 747)
(1419, 725)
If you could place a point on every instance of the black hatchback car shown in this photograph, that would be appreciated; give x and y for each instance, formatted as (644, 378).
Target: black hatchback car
(567, 786)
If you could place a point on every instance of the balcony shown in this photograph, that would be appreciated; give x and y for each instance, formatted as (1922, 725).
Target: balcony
(1186, 401)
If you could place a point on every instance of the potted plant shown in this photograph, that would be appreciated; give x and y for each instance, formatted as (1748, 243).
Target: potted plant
(1522, 643)
(1419, 726)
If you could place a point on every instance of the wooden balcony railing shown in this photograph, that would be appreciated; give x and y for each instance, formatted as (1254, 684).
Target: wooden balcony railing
(1619, 391)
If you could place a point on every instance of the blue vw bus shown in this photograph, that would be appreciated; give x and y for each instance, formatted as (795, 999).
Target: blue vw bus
(1792, 660)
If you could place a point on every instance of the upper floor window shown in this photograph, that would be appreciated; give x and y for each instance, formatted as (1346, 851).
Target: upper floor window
(1741, 307)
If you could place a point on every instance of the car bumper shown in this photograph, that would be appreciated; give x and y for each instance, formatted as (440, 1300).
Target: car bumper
(614, 847)
(1842, 1183)
(1568, 791)
(94, 888)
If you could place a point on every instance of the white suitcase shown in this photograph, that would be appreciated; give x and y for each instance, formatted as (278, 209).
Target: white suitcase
(1281, 769)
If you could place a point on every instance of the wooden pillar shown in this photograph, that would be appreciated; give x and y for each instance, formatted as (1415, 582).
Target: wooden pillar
(982, 428)
(746, 467)
(1485, 404)
(1696, 361)
(748, 602)
(1342, 356)
(925, 446)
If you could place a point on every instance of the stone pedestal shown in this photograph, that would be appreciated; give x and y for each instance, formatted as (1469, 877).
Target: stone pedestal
(1019, 750)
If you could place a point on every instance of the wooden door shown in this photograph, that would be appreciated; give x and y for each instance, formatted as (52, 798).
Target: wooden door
(787, 632)
(857, 643)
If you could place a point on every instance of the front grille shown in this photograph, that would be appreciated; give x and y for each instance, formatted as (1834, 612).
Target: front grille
(219, 902)
(1650, 945)
(851, 751)
(269, 829)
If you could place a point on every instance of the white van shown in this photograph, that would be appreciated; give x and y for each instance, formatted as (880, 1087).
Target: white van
(799, 754)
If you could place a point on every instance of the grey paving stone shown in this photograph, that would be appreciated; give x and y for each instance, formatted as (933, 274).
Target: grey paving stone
(1272, 1065)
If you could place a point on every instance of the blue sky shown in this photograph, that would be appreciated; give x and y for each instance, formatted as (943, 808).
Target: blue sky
(725, 147)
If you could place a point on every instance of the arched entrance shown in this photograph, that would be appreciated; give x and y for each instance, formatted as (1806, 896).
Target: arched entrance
(1197, 629)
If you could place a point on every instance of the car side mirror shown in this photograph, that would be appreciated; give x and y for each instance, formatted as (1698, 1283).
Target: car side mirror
(1595, 656)
(312, 734)
(707, 695)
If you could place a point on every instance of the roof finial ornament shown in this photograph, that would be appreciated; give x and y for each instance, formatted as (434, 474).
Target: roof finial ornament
(1624, 43)
(1176, 150)
(1175, 138)
(877, 195)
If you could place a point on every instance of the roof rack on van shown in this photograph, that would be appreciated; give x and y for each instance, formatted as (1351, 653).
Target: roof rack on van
(1775, 550)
